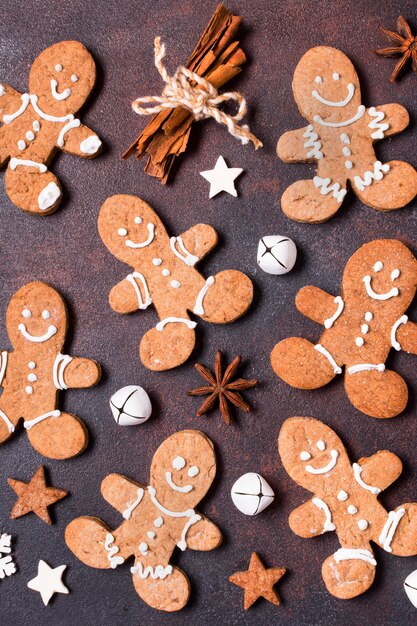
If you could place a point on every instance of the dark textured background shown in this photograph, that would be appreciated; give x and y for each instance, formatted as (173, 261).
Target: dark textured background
(65, 250)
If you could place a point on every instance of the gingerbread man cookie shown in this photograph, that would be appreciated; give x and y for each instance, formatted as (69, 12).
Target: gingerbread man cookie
(37, 123)
(32, 374)
(345, 500)
(339, 138)
(361, 327)
(158, 518)
(164, 274)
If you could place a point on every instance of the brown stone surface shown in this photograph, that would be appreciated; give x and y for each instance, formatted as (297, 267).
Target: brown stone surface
(65, 250)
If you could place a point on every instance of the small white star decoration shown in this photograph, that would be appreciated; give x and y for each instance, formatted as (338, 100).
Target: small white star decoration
(221, 178)
(48, 581)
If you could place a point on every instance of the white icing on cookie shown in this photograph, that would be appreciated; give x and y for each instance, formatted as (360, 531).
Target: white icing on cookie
(402, 320)
(328, 524)
(390, 526)
(327, 468)
(325, 188)
(340, 306)
(333, 103)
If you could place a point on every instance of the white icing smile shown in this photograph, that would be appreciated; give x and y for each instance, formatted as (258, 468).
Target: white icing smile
(379, 296)
(357, 116)
(131, 244)
(327, 468)
(332, 103)
(38, 338)
(59, 96)
(185, 489)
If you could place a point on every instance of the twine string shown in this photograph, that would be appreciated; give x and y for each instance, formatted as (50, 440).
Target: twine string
(196, 94)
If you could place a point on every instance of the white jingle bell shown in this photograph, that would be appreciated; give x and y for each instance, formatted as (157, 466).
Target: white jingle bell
(130, 406)
(251, 494)
(276, 254)
(410, 586)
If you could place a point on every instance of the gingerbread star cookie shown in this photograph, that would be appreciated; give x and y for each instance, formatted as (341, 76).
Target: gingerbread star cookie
(258, 581)
(35, 496)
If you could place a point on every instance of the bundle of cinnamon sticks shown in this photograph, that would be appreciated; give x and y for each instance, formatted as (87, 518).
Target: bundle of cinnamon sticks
(218, 58)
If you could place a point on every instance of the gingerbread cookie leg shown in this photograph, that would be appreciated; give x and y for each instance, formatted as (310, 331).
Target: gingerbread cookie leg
(225, 297)
(170, 593)
(32, 188)
(313, 201)
(349, 572)
(169, 344)
(381, 394)
(392, 188)
(57, 435)
(303, 365)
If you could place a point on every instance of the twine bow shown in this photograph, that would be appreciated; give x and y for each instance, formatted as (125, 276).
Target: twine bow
(193, 92)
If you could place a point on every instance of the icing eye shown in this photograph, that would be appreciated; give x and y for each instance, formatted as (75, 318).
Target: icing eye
(26, 313)
(193, 471)
(321, 445)
(138, 220)
(336, 76)
(378, 266)
(46, 315)
(178, 463)
(318, 80)
(305, 456)
(74, 78)
(395, 274)
(122, 232)
(58, 67)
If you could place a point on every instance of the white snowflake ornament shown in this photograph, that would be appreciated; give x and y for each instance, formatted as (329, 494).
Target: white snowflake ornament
(251, 494)
(276, 254)
(7, 565)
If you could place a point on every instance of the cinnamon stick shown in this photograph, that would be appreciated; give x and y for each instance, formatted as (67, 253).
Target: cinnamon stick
(218, 58)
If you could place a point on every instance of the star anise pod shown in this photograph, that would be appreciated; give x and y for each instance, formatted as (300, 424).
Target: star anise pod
(404, 43)
(222, 388)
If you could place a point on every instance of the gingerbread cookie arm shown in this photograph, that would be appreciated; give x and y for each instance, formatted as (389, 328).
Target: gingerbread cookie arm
(309, 519)
(195, 243)
(79, 373)
(77, 139)
(10, 102)
(404, 337)
(378, 471)
(123, 494)
(203, 535)
(318, 305)
(395, 115)
(130, 295)
(299, 145)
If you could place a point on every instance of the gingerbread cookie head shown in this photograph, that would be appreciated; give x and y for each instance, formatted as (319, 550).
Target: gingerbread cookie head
(382, 273)
(183, 469)
(312, 453)
(62, 77)
(128, 225)
(37, 315)
(326, 85)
